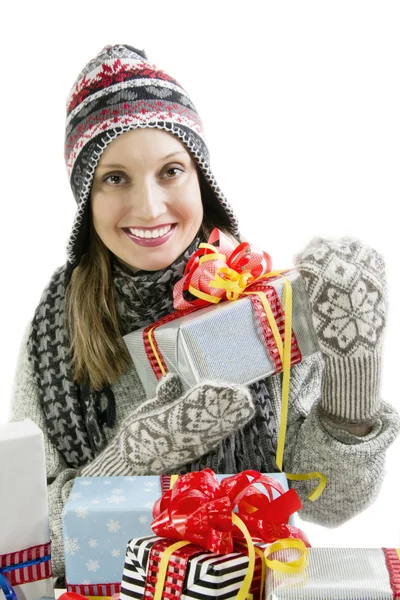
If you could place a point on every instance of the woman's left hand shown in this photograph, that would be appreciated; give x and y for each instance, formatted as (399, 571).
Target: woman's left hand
(346, 286)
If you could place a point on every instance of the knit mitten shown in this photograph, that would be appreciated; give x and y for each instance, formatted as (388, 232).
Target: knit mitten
(173, 429)
(345, 282)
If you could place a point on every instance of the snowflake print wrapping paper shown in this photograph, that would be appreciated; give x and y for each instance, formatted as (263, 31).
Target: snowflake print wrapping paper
(101, 515)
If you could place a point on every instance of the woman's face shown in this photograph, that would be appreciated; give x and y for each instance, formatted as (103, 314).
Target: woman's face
(145, 198)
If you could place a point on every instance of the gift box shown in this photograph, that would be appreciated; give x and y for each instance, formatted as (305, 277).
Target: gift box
(226, 342)
(25, 560)
(210, 535)
(192, 572)
(337, 574)
(99, 518)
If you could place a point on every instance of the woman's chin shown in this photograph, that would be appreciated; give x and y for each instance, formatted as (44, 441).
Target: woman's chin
(155, 258)
(155, 263)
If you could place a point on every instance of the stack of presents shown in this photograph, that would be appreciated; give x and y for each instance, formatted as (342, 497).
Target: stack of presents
(199, 535)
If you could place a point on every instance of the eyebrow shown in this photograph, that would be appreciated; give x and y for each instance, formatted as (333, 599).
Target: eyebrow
(118, 166)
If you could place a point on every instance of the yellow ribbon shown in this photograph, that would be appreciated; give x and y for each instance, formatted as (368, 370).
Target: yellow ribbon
(150, 336)
(271, 320)
(285, 358)
(215, 254)
(234, 285)
(263, 570)
(314, 475)
(243, 593)
(295, 566)
(173, 480)
(166, 555)
(204, 295)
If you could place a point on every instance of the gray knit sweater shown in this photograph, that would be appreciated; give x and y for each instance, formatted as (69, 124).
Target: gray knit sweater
(311, 445)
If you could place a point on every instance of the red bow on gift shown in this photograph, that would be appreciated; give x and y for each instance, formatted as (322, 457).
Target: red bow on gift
(214, 272)
(199, 509)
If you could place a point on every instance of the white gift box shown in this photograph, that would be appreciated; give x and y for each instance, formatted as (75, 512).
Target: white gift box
(24, 534)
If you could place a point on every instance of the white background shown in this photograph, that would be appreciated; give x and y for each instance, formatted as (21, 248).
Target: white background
(300, 102)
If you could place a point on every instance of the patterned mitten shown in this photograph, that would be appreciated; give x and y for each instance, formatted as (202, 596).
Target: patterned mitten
(345, 282)
(174, 429)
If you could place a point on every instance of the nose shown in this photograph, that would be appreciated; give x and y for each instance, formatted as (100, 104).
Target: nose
(149, 202)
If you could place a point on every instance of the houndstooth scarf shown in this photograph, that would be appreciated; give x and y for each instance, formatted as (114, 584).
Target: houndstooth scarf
(76, 414)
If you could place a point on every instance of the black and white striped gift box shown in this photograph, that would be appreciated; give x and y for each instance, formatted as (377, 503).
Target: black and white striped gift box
(192, 572)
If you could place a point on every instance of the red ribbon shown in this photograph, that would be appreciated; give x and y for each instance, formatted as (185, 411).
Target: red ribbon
(245, 259)
(199, 509)
(196, 510)
(228, 273)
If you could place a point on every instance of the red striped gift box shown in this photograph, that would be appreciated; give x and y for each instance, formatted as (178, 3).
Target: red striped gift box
(103, 590)
(25, 566)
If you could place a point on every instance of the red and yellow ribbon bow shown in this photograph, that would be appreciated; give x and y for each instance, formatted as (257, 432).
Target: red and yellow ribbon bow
(220, 271)
(223, 271)
(214, 273)
(200, 510)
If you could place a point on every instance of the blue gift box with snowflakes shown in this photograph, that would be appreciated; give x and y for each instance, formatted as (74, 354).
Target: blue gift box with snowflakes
(101, 515)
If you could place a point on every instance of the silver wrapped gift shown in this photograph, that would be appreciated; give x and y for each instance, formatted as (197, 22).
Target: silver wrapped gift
(222, 342)
(338, 574)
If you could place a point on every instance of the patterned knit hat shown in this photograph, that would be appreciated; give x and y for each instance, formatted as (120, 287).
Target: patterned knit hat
(117, 91)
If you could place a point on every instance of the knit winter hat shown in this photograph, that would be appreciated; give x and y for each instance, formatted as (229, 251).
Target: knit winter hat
(117, 91)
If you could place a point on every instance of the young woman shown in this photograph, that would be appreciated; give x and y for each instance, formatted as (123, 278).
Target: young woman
(139, 170)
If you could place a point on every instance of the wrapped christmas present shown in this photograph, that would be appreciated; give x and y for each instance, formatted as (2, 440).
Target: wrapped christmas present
(233, 329)
(100, 516)
(192, 572)
(25, 556)
(98, 520)
(338, 574)
(202, 548)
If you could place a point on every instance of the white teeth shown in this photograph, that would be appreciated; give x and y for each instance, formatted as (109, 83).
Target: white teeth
(154, 233)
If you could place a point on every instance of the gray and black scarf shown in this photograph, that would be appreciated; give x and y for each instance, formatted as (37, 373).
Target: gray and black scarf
(76, 414)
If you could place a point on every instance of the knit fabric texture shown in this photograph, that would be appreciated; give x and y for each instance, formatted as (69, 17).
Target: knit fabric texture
(117, 91)
(345, 282)
(311, 444)
(74, 415)
(174, 429)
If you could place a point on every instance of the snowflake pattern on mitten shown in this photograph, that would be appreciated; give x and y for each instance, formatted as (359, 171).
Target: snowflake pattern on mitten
(345, 282)
(175, 431)
(175, 428)
(346, 286)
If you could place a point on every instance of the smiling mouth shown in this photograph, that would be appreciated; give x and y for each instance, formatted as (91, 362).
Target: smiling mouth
(150, 236)
(150, 232)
